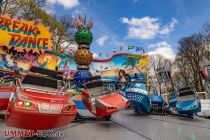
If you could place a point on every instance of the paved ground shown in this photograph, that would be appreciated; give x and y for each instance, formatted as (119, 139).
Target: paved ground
(126, 125)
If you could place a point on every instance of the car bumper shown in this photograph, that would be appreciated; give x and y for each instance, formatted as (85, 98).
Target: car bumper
(189, 111)
(36, 120)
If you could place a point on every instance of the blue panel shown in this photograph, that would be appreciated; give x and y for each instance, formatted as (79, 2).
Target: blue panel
(79, 104)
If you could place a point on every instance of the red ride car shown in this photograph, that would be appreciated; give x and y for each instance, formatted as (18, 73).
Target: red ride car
(101, 101)
(7, 87)
(39, 104)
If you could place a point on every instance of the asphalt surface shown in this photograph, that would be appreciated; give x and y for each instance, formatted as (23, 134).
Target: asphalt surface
(126, 125)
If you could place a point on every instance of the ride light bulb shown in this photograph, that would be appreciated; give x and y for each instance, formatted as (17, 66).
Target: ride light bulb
(27, 104)
(20, 103)
(68, 107)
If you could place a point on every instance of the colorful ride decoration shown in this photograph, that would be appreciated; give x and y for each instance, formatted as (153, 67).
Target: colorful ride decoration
(83, 56)
(164, 79)
(22, 42)
(136, 66)
(10, 62)
(86, 55)
(24, 36)
(164, 75)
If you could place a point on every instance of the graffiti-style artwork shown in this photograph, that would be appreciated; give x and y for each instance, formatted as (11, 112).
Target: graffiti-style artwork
(24, 35)
(66, 65)
(136, 66)
(47, 61)
(9, 62)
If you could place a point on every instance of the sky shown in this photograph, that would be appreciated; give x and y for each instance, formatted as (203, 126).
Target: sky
(155, 25)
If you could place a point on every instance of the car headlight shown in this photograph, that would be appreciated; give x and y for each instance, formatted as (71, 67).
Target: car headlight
(20, 104)
(178, 106)
(68, 107)
(194, 104)
(45, 106)
(27, 104)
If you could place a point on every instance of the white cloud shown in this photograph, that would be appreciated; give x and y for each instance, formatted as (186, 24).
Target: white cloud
(101, 40)
(49, 9)
(66, 3)
(147, 28)
(168, 28)
(95, 55)
(164, 49)
(142, 28)
(158, 45)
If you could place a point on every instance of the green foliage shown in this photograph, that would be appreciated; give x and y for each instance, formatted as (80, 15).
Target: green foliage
(130, 61)
(61, 55)
(83, 37)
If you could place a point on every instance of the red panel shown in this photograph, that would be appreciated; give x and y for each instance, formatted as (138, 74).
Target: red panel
(115, 100)
(44, 97)
(37, 121)
(4, 89)
(105, 112)
(3, 104)
(85, 100)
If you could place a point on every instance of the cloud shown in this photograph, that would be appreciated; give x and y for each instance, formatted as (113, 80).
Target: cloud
(168, 28)
(135, 1)
(164, 49)
(147, 28)
(50, 10)
(101, 40)
(66, 3)
(95, 55)
(158, 45)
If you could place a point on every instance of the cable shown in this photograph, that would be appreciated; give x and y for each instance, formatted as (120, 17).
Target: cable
(177, 122)
(131, 130)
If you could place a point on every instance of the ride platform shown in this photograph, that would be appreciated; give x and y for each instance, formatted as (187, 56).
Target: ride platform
(126, 125)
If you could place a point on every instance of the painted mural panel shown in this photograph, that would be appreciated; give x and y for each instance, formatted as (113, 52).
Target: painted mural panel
(135, 66)
(47, 61)
(24, 35)
(10, 62)
(66, 65)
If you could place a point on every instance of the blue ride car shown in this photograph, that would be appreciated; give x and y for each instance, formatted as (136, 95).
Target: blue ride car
(136, 93)
(157, 103)
(188, 102)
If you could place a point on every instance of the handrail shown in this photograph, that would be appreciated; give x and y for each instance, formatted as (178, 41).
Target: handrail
(45, 91)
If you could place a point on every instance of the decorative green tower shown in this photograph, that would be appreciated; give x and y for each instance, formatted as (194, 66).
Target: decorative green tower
(83, 56)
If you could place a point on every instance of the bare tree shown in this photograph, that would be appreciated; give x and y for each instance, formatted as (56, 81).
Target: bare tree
(182, 73)
(192, 50)
(64, 35)
(22, 8)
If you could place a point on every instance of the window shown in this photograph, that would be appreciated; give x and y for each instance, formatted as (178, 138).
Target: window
(138, 85)
(40, 81)
(8, 82)
(187, 95)
(96, 89)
